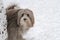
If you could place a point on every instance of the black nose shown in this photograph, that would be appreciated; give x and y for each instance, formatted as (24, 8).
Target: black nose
(25, 19)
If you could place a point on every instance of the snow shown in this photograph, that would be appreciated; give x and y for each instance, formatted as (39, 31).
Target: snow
(3, 22)
(47, 18)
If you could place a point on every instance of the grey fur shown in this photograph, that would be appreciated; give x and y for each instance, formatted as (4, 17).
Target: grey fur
(15, 25)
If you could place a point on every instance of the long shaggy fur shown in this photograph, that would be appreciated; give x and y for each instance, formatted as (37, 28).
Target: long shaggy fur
(19, 21)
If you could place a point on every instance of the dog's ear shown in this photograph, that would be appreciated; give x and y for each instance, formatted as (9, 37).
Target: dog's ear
(19, 16)
(31, 15)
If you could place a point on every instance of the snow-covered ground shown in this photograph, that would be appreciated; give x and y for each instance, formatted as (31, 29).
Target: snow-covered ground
(47, 18)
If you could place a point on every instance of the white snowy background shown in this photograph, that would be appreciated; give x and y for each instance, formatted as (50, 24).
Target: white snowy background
(47, 18)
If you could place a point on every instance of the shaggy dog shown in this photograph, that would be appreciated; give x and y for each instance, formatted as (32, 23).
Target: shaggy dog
(19, 21)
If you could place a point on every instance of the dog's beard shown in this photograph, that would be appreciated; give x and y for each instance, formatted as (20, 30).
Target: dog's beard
(25, 23)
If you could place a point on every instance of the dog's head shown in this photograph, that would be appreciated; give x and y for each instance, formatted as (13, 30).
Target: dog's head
(25, 18)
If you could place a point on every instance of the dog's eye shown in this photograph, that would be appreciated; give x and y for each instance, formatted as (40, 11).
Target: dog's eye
(22, 15)
(27, 14)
